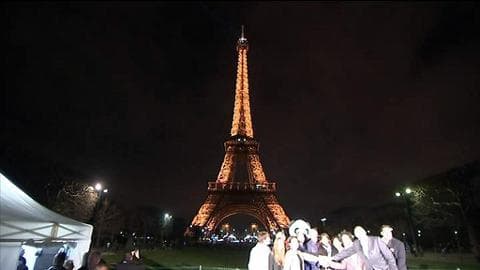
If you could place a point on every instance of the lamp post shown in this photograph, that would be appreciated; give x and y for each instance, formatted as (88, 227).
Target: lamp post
(100, 190)
(166, 221)
(323, 220)
(406, 196)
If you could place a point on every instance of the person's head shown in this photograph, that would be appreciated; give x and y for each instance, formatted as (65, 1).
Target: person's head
(386, 232)
(280, 236)
(300, 237)
(292, 243)
(347, 239)
(93, 259)
(68, 265)
(101, 265)
(325, 239)
(360, 233)
(313, 235)
(59, 259)
(263, 237)
(336, 243)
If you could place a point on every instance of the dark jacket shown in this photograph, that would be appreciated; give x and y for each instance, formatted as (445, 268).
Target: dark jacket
(398, 249)
(379, 256)
(311, 248)
(322, 250)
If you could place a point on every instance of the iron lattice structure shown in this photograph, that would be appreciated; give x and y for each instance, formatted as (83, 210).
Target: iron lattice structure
(241, 186)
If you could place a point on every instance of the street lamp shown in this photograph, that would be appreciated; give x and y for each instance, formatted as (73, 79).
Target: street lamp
(99, 200)
(98, 187)
(406, 197)
(323, 221)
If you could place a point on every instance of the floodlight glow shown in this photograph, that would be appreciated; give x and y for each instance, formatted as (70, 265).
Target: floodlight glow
(408, 190)
(98, 187)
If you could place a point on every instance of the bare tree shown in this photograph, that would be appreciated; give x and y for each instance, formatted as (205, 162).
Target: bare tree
(76, 200)
(449, 199)
(107, 215)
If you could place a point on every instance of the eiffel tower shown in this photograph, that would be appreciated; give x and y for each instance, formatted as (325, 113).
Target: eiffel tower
(241, 186)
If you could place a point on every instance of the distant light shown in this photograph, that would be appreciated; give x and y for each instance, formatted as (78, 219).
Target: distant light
(408, 190)
(397, 194)
(403, 234)
(98, 186)
(368, 231)
(105, 190)
(323, 219)
(419, 235)
(455, 232)
(419, 231)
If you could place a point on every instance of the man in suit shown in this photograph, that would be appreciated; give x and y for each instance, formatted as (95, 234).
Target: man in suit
(372, 249)
(311, 246)
(326, 248)
(396, 246)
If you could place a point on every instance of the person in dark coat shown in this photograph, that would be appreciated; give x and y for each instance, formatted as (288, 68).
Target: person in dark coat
(90, 260)
(58, 261)
(396, 246)
(326, 248)
(372, 249)
(311, 246)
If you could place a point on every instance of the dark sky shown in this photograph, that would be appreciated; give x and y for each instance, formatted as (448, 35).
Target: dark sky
(349, 100)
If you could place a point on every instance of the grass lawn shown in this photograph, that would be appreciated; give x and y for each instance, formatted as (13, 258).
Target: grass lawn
(450, 261)
(190, 256)
(229, 257)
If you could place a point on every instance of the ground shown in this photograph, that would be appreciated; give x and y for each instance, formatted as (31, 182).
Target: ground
(236, 258)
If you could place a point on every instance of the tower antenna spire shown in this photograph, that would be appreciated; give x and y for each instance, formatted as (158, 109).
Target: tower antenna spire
(243, 31)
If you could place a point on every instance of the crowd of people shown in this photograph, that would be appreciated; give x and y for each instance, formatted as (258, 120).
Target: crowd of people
(305, 249)
(91, 261)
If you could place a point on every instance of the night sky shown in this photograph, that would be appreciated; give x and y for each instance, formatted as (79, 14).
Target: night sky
(349, 101)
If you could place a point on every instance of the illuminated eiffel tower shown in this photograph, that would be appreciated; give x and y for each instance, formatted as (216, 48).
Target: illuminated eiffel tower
(241, 186)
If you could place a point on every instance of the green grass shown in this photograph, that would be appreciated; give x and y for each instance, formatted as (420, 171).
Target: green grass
(449, 262)
(229, 257)
(190, 256)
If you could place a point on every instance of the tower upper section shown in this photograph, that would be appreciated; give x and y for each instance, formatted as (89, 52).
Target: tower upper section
(242, 119)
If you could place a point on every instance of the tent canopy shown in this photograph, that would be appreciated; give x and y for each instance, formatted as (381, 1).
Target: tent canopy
(22, 219)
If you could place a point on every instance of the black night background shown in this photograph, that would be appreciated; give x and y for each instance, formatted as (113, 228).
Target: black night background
(350, 102)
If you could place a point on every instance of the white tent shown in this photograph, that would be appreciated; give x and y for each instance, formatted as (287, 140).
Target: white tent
(22, 219)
